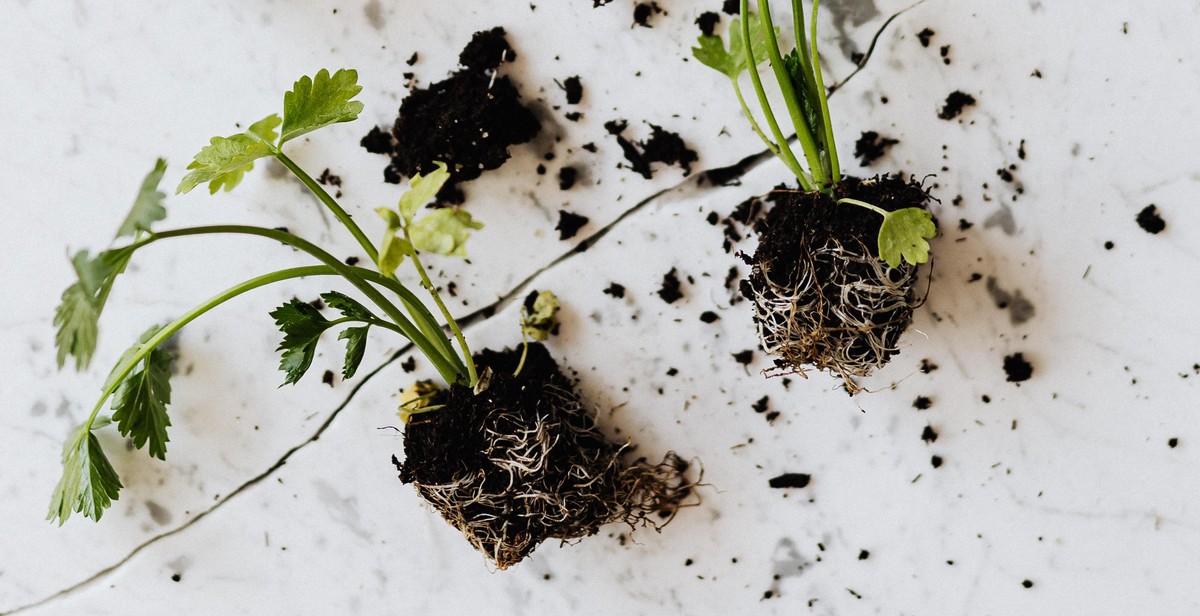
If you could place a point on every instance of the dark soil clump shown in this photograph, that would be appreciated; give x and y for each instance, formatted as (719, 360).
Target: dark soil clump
(790, 480)
(663, 146)
(870, 147)
(569, 224)
(1149, 220)
(822, 296)
(955, 103)
(924, 36)
(707, 22)
(1016, 368)
(522, 461)
(467, 121)
(670, 290)
(574, 90)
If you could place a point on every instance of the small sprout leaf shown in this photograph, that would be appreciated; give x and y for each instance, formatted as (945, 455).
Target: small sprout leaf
(443, 231)
(302, 326)
(319, 101)
(140, 403)
(224, 161)
(415, 399)
(88, 484)
(903, 234)
(732, 62)
(538, 323)
(148, 206)
(356, 346)
(423, 188)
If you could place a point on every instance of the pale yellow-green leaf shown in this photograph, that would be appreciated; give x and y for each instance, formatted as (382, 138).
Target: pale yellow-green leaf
(902, 236)
(423, 188)
(443, 231)
(224, 161)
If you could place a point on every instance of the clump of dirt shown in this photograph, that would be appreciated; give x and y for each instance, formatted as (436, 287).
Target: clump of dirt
(467, 121)
(822, 296)
(569, 224)
(643, 11)
(522, 461)
(663, 146)
(924, 36)
(956, 102)
(871, 146)
(1016, 368)
(707, 22)
(790, 480)
(670, 290)
(1149, 220)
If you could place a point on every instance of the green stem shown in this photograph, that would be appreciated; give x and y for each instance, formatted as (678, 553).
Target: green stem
(803, 177)
(472, 375)
(524, 350)
(785, 150)
(874, 208)
(811, 152)
(333, 206)
(424, 319)
(835, 171)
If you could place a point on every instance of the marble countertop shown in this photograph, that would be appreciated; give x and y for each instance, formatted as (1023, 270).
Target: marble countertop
(1075, 491)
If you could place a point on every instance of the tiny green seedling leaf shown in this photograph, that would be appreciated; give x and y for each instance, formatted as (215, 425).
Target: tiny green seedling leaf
(394, 248)
(539, 323)
(88, 484)
(415, 399)
(148, 206)
(443, 232)
(423, 188)
(302, 325)
(356, 346)
(902, 235)
(140, 403)
(732, 62)
(224, 161)
(316, 102)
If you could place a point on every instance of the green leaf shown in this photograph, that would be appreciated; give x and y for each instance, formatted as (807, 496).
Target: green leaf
(356, 345)
(224, 161)
(77, 316)
(88, 484)
(148, 206)
(394, 248)
(140, 403)
(423, 188)
(302, 325)
(348, 306)
(902, 235)
(541, 321)
(443, 231)
(320, 101)
(732, 62)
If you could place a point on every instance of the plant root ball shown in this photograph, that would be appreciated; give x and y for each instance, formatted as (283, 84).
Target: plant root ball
(822, 297)
(522, 461)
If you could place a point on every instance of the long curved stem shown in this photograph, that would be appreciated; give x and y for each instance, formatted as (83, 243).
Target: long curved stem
(811, 152)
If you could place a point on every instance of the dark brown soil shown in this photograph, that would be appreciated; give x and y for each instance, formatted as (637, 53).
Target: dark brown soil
(1016, 368)
(707, 22)
(467, 121)
(790, 480)
(924, 36)
(1149, 220)
(569, 224)
(670, 290)
(583, 479)
(663, 146)
(956, 102)
(871, 146)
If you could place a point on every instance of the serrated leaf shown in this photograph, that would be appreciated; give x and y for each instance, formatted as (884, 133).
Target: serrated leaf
(224, 161)
(443, 232)
(78, 314)
(539, 322)
(356, 345)
(319, 101)
(88, 484)
(348, 306)
(128, 355)
(302, 326)
(732, 62)
(148, 206)
(140, 403)
(423, 188)
(902, 236)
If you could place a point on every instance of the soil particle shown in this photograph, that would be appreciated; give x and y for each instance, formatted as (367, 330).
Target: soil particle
(663, 146)
(790, 480)
(1017, 368)
(924, 36)
(1172, 442)
(922, 403)
(327, 378)
(955, 103)
(669, 292)
(467, 121)
(615, 290)
(569, 224)
(945, 52)
(964, 224)
(1027, 584)
(567, 177)
(409, 364)
(643, 11)
(599, 3)
(709, 316)
(574, 89)
(1108, 245)
(863, 555)
(936, 461)
(731, 7)
(928, 366)
(744, 357)
(929, 435)
(707, 21)
(1149, 220)
(870, 147)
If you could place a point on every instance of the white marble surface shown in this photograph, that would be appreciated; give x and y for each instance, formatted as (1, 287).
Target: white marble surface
(1066, 480)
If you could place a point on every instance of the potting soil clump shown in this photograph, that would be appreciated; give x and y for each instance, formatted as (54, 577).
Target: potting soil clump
(822, 296)
(467, 121)
(522, 461)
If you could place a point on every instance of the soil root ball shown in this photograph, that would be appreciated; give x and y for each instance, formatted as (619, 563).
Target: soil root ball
(822, 296)
(522, 461)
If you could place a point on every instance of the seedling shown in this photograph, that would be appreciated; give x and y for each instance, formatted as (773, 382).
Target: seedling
(140, 390)
(822, 293)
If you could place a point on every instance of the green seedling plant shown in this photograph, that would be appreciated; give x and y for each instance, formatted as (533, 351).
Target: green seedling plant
(754, 39)
(139, 385)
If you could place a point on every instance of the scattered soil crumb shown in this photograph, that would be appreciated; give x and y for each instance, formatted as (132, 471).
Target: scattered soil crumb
(945, 52)
(731, 7)
(790, 480)
(707, 21)
(615, 290)
(574, 89)
(663, 146)
(599, 3)
(643, 11)
(567, 177)
(863, 555)
(929, 435)
(928, 366)
(936, 461)
(709, 316)
(744, 357)
(1109, 245)
(670, 292)
(1172, 442)
(569, 224)
(870, 147)
(955, 103)
(1149, 220)
(1027, 584)
(924, 36)
(1017, 368)
(922, 403)
(327, 378)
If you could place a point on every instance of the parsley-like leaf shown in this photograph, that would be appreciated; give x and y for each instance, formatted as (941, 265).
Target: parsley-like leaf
(732, 62)
(320, 101)
(224, 161)
(541, 321)
(902, 235)
(140, 403)
(356, 345)
(88, 484)
(443, 232)
(423, 188)
(148, 206)
(77, 316)
(348, 306)
(302, 325)
(394, 248)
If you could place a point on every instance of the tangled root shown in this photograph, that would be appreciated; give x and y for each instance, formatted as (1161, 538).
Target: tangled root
(539, 469)
(822, 297)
